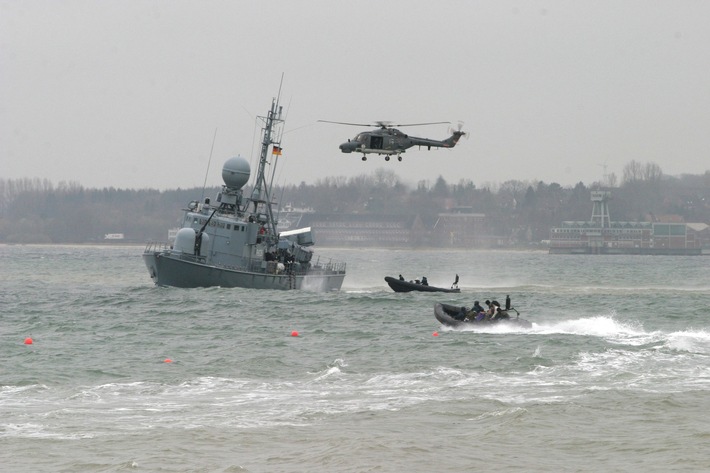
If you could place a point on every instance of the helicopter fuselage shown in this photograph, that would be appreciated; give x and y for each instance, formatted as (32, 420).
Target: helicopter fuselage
(392, 141)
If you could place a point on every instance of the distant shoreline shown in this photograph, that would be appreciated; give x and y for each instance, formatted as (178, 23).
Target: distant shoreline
(320, 247)
(112, 245)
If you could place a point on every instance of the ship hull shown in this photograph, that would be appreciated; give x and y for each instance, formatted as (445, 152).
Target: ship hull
(170, 270)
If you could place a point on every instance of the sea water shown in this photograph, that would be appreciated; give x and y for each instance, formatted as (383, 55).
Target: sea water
(125, 376)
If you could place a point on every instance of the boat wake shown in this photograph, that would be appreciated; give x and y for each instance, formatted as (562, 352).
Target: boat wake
(598, 326)
(624, 333)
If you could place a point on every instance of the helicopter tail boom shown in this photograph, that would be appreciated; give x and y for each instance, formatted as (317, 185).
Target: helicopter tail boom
(449, 142)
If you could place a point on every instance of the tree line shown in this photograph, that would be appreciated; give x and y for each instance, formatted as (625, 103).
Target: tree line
(38, 211)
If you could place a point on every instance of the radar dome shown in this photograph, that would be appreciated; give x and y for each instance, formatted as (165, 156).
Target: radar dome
(236, 172)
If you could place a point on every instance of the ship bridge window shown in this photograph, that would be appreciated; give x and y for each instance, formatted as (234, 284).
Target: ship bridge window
(229, 226)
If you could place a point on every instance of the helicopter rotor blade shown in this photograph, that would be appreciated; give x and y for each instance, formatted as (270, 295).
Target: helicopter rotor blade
(346, 123)
(384, 124)
(421, 124)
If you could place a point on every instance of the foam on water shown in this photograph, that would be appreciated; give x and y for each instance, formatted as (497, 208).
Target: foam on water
(691, 341)
(598, 326)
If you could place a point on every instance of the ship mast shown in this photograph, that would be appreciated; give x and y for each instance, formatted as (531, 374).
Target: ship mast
(261, 192)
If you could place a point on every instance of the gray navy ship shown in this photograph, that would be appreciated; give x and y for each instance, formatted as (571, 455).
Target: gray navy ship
(234, 242)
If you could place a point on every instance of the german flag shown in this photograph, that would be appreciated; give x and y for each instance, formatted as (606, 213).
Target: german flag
(276, 150)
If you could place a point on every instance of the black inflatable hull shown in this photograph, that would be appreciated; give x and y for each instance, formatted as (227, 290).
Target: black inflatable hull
(444, 314)
(406, 286)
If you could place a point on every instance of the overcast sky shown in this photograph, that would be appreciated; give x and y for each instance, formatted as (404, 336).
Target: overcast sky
(129, 94)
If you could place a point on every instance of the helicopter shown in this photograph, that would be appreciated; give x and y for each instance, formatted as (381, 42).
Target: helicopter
(387, 140)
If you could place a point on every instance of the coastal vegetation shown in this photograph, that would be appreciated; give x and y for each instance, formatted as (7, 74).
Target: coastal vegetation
(39, 211)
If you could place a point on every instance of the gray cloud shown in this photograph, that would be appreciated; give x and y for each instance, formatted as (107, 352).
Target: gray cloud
(130, 93)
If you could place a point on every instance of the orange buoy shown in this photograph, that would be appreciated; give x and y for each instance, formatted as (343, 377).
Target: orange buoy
(435, 334)
(28, 341)
(294, 334)
(168, 360)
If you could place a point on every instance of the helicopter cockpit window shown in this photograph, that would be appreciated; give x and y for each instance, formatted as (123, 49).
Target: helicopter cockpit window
(360, 137)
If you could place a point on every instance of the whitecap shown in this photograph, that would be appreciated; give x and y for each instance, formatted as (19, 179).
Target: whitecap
(689, 341)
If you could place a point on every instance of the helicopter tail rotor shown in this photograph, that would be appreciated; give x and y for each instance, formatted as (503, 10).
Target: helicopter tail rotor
(458, 132)
(458, 129)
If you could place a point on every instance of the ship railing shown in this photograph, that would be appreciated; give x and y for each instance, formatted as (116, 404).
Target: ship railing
(163, 247)
(329, 266)
(317, 267)
(156, 246)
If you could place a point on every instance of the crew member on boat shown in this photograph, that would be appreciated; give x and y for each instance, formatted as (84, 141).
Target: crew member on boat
(476, 313)
(491, 311)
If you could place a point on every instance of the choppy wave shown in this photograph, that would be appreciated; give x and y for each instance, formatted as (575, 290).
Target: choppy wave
(613, 344)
